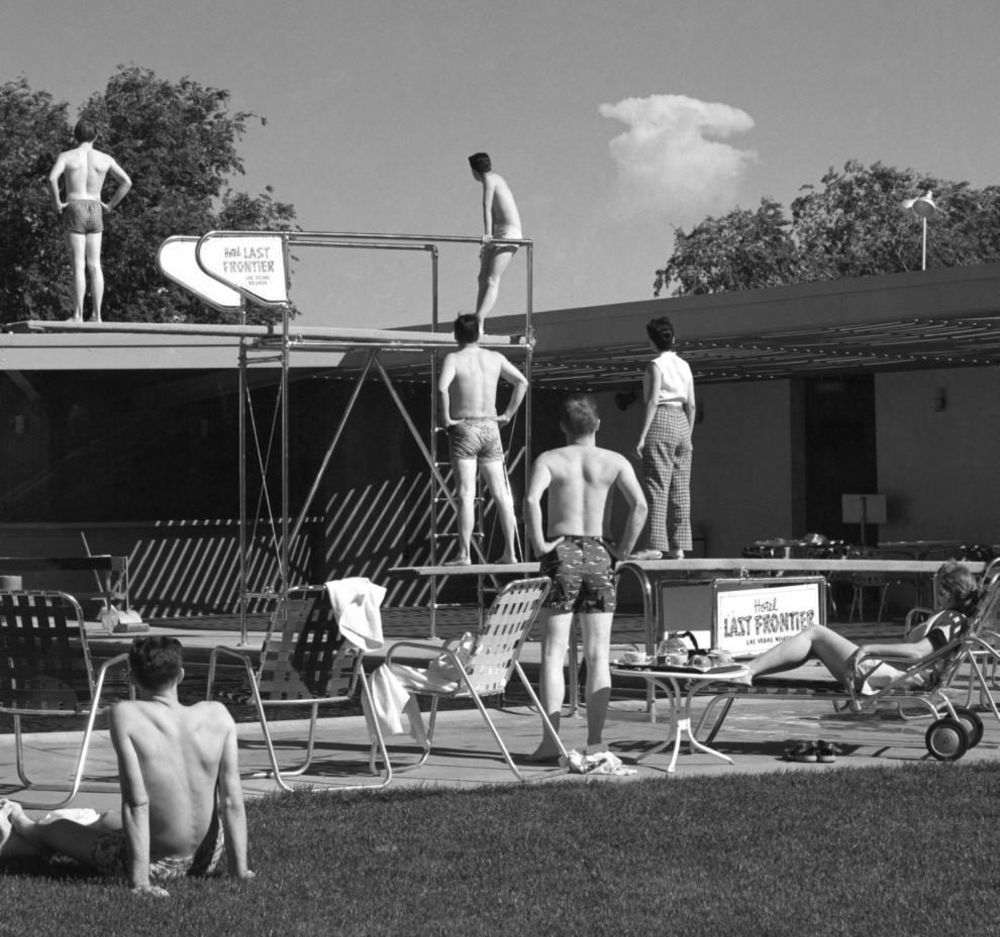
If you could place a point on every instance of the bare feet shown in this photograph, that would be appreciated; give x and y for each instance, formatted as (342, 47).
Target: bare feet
(644, 555)
(18, 818)
(544, 755)
(12, 840)
(732, 673)
(461, 561)
(6, 827)
(508, 558)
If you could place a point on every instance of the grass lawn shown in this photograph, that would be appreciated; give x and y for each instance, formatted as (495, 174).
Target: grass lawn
(873, 852)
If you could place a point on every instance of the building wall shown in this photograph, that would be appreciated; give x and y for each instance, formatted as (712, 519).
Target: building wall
(938, 468)
(742, 478)
(144, 466)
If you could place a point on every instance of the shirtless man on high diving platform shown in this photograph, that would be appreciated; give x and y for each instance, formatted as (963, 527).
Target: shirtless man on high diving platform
(84, 170)
(500, 220)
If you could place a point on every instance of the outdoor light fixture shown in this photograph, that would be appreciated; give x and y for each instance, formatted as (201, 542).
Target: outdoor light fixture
(625, 399)
(922, 207)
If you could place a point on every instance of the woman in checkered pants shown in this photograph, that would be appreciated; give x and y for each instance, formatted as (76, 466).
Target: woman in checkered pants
(665, 446)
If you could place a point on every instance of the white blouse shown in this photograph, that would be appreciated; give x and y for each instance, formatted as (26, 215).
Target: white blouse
(675, 378)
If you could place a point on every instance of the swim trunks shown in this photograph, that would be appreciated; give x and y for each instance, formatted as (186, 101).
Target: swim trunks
(110, 856)
(503, 231)
(581, 572)
(476, 438)
(83, 216)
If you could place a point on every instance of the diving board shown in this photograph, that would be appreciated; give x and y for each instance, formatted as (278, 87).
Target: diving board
(336, 339)
(475, 569)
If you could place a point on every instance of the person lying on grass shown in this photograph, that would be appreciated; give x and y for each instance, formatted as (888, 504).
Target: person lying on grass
(182, 801)
(956, 597)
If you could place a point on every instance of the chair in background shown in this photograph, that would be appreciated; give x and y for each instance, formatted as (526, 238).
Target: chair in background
(46, 671)
(881, 582)
(304, 662)
(489, 668)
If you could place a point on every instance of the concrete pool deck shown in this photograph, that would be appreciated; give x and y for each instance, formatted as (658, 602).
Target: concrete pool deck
(755, 736)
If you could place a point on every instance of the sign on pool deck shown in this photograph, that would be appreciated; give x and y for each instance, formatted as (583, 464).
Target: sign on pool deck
(253, 264)
(743, 616)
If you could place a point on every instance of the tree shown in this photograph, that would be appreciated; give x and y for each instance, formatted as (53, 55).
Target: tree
(853, 226)
(33, 279)
(178, 142)
(743, 250)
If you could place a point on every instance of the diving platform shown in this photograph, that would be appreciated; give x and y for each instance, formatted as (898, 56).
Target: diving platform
(35, 344)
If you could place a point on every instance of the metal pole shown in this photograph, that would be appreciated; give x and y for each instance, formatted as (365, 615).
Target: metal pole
(530, 339)
(285, 546)
(433, 584)
(242, 461)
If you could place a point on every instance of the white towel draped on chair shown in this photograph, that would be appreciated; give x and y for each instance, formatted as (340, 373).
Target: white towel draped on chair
(355, 602)
(391, 697)
(394, 685)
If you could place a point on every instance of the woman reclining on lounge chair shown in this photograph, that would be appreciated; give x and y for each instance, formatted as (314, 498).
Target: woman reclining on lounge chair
(956, 597)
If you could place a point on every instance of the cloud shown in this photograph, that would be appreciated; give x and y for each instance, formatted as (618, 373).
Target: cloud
(671, 160)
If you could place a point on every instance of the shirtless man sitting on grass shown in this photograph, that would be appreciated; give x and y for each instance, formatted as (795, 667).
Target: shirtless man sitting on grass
(182, 801)
(573, 554)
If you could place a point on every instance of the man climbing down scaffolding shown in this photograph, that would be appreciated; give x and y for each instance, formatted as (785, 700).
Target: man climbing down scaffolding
(500, 220)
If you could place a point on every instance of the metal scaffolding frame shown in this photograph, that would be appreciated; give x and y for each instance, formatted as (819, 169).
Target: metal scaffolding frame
(275, 345)
(279, 348)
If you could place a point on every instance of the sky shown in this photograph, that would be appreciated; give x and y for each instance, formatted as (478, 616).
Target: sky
(614, 123)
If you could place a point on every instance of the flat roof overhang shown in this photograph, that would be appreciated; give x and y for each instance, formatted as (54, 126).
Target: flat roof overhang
(928, 319)
(942, 318)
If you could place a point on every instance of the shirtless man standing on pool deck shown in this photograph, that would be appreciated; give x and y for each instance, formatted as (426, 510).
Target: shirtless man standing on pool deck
(85, 170)
(467, 389)
(578, 478)
(182, 802)
(500, 220)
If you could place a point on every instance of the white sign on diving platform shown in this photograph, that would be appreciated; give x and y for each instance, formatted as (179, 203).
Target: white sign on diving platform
(252, 264)
(176, 260)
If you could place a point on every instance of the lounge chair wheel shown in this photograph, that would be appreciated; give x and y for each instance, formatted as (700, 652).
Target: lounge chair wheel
(946, 739)
(973, 725)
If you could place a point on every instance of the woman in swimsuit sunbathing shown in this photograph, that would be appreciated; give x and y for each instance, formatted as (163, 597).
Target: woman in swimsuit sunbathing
(956, 597)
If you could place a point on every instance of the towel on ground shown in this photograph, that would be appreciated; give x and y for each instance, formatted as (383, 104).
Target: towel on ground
(355, 602)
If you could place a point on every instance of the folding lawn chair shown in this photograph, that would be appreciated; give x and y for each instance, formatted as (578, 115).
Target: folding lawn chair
(488, 669)
(45, 670)
(925, 682)
(304, 662)
(985, 651)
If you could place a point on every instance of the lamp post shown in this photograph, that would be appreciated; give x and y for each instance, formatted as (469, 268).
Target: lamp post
(922, 207)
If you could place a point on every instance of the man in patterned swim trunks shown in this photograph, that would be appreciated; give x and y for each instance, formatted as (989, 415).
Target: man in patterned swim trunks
(574, 554)
(467, 390)
(85, 169)
(182, 801)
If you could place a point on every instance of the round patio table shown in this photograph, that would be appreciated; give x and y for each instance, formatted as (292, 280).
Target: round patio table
(679, 685)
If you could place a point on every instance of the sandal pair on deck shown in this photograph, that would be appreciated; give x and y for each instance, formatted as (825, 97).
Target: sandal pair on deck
(811, 752)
